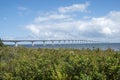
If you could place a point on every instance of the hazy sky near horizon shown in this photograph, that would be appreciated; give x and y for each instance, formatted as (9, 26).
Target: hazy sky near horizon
(60, 19)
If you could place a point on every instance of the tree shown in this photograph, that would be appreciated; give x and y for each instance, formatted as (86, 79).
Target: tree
(1, 43)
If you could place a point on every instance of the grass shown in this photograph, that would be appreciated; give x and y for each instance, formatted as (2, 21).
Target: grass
(20, 63)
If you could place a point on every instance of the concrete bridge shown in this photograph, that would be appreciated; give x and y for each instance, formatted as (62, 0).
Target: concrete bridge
(70, 41)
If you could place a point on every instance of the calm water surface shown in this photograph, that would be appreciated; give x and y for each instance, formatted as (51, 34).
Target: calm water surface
(103, 46)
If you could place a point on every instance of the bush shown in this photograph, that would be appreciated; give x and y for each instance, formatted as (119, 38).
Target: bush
(1, 43)
(18, 63)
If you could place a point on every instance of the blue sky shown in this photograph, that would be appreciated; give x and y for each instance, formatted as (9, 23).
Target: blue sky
(60, 19)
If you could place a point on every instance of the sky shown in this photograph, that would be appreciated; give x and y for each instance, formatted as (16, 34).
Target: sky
(60, 19)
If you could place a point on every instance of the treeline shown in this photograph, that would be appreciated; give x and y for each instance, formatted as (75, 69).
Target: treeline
(19, 63)
(1, 43)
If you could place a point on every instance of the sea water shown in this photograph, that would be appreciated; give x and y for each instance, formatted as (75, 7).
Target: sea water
(103, 46)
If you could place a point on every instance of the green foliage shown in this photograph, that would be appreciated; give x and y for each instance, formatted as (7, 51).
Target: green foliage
(19, 63)
(1, 43)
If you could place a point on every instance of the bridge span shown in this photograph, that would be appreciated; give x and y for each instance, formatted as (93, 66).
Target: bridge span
(70, 41)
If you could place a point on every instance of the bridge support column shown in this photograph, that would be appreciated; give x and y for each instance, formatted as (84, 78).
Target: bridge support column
(32, 43)
(16, 44)
(43, 43)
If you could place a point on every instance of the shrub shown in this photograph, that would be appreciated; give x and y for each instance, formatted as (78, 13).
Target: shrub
(1, 43)
(18, 63)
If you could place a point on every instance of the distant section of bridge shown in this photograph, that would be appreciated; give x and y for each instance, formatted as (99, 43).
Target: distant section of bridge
(70, 41)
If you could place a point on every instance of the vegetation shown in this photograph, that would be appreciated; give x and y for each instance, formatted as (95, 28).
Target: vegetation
(19, 63)
(1, 43)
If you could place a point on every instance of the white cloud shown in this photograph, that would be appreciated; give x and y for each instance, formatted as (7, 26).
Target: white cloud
(23, 11)
(22, 8)
(65, 26)
(33, 28)
(115, 16)
(51, 17)
(74, 7)
(107, 31)
(105, 25)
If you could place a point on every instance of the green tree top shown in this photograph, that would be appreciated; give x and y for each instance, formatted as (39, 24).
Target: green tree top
(1, 43)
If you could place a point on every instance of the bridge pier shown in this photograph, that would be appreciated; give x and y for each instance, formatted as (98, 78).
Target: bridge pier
(43, 43)
(32, 43)
(16, 44)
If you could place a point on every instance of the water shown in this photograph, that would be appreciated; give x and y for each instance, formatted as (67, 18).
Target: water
(103, 46)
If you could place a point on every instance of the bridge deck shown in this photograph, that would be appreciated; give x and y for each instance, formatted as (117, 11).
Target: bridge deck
(44, 41)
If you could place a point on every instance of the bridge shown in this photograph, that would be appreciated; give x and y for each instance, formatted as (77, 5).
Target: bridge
(70, 41)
